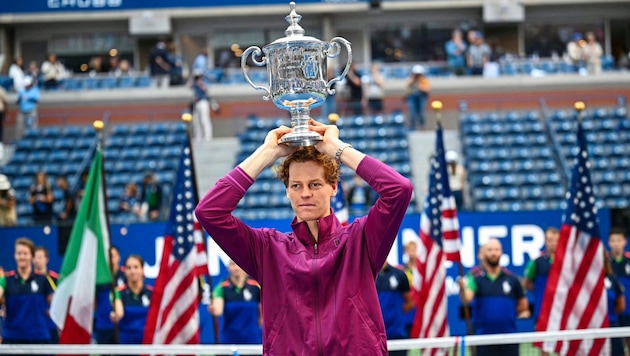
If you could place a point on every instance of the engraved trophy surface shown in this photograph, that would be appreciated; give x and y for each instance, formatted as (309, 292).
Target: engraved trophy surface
(297, 71)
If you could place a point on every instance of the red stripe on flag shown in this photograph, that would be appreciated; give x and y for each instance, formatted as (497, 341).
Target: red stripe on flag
(73, 333)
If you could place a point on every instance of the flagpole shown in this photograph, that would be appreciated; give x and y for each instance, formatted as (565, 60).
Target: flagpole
(98, 127)
(579, 107)
(187, 119)
(437, 105)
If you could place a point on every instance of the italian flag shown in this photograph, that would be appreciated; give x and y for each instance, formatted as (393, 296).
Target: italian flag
(85, 264)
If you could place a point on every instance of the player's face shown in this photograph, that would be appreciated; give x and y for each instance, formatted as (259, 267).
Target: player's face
(23, 257)
(308, 191)
(134, 271)
(411, 250)
(617, 244)
(40, 261)
(235, 270)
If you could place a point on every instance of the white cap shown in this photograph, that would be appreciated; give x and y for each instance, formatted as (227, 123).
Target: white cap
(418, 69)
(451, 156)
(4, 182)
(28, 80)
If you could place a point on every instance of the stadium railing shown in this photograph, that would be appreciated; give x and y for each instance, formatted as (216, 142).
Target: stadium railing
(453, 344)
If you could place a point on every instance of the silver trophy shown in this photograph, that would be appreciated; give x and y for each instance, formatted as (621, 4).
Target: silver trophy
(296, 66)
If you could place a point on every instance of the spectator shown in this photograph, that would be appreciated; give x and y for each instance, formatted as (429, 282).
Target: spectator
(593, 52)
(151, 198)
(394, 295)
(41, 199)
(3, 110)
(237, 299)
(375, 84)
(16, 72)
(478, 53)
(136, 298)
(200, 65)
(27, 296)
(124, 69)
(69, 211)
(33, 72)
(202, 123)
(130, 201)
(325, 271)
(109, 308)
(355, 100)
(456, 179)
(575, 54)
(177, 71)
(620, 262)
(28, 100)
(537, 271)
(8, 214)
(159, 65)
(456, 53)
(81, 187)
(359, 196)
(40, 264)
(53, 72)
(499, 300)
(416, 95)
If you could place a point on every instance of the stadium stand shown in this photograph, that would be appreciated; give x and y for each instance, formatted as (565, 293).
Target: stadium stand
(521, 160)
(382, 136)
(133, 150)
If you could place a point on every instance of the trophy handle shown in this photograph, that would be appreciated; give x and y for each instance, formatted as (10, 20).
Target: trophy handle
(256, 53)
(336, 49)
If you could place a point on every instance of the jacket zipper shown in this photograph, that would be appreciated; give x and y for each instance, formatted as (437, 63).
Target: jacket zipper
(318, 325)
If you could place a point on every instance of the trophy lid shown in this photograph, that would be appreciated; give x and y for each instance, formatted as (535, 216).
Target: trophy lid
(294, 32)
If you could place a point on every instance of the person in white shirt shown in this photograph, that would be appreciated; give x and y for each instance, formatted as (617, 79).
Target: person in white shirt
(16, 72)
(53, 72)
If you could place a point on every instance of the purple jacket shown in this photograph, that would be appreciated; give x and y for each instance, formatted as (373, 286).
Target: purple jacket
(317, 299)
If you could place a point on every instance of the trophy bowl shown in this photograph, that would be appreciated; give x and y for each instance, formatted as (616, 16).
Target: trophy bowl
(297, 71)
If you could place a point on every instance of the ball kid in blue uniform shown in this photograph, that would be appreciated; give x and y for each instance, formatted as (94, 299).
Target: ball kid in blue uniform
(394, 295)
(619, 261)
(537, 271)
(499, 300)
(109, 307)
(27, 296)
(40, 264)
(136, 298)
(237, 301)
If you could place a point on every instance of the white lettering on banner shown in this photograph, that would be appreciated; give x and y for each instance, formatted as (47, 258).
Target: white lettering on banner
(84, 4)
(153, 271)
(532, 245)
(468, 247)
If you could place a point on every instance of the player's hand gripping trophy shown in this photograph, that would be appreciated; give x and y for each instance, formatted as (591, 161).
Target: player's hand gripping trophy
(296, 66)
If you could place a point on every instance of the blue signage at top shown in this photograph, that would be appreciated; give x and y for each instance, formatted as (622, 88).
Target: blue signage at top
(35, 6)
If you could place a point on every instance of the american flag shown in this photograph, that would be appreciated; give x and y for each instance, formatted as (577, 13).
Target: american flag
(439, 236)
(575, 297)
(339, 205)
(173, 316)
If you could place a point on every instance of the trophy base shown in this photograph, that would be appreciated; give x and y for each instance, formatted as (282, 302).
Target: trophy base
(309, 138)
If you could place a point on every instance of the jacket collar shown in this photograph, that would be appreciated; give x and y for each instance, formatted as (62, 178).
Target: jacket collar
(327, 225)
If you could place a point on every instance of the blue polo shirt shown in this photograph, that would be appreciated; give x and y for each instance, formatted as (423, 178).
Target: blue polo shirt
(26, 306)
(104, 299)
(614, 290)
(537, 271)
(239, 322)
(494, 310)
(136, 306)
(621, 269)
(391, 284)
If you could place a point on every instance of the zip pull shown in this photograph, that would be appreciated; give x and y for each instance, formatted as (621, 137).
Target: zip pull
(316, 248)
